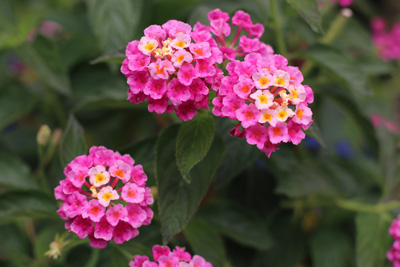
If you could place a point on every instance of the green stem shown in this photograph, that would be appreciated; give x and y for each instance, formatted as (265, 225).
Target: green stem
(277, 26)
(380, 208)
(42, 176)
(334, 30)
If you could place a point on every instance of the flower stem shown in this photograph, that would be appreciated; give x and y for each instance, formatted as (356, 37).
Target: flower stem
(277, 25)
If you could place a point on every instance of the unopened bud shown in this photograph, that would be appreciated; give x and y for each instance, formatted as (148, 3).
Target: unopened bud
(56, 137)
(154, 192)
(43, 135)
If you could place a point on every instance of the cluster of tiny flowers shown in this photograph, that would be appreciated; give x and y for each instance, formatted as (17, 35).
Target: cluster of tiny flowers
(170, 67)
(104, 197)
(221, 28)
(267, 98)
(163, 257)
(394, 253)
(386, 42)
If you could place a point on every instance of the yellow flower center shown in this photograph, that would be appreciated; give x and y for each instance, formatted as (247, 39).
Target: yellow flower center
(282, 114)
(100, 178)
(263, 81)
(263, 99)
(180, 58)
(280, 81)
(180, 44)
(267, 117)
(295, 95)
(107, 196)
(149, 46)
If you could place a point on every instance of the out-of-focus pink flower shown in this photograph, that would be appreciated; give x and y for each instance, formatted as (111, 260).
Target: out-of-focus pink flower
(164, 257)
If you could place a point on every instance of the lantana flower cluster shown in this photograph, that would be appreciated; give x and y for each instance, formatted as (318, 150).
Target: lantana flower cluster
(163, 256)
(394, 253)
(386, 41)
(170, 67)
(104, 197)
(173, 68)
(268, 99)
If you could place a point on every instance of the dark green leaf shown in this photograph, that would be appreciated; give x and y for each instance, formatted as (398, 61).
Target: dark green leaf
(44, 57)
(15, 174)
(236, 222)
(205, 241)
(330, 248)
(73, 143)
(388, 153)
(122, 254)
(33, 204)
(15, 102)
(194, 140)
(315, 132)
(233, 163)
(178, 200)
(308, 9)
(113, 57)
(340, 65)
(373, 239)
(114, 22)
(308, 178)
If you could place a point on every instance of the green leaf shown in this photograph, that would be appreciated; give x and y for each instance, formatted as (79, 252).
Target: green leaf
(15, 102)
(236, 222)
(112, 57)
(15, 174)
(233, 163)
(388, 153)
(16, 204)
(308, 178)
(44, 57)
(178, 200)
(340, 65)
(194, 140)
(114, 22)
(122, 254)
(205, 241)
(73, 143)
(336, 252)
(308, 9)
(373, 239)
(315, 132)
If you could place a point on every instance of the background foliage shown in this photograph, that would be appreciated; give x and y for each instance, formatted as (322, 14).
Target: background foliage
(327, 202)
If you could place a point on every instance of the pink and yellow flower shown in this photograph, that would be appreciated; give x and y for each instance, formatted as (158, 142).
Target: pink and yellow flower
(89, 193)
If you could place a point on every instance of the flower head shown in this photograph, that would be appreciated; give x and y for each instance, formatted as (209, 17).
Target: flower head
(163, 65)
(89, 193)
(267, 98)
(164, 257)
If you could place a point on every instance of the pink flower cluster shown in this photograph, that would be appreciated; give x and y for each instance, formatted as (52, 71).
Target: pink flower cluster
(174, 67)
(164, 257)
(104, 197)
(220, 27)
(394, 253)
(386, 42)
(170, 67)
(267, 98)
